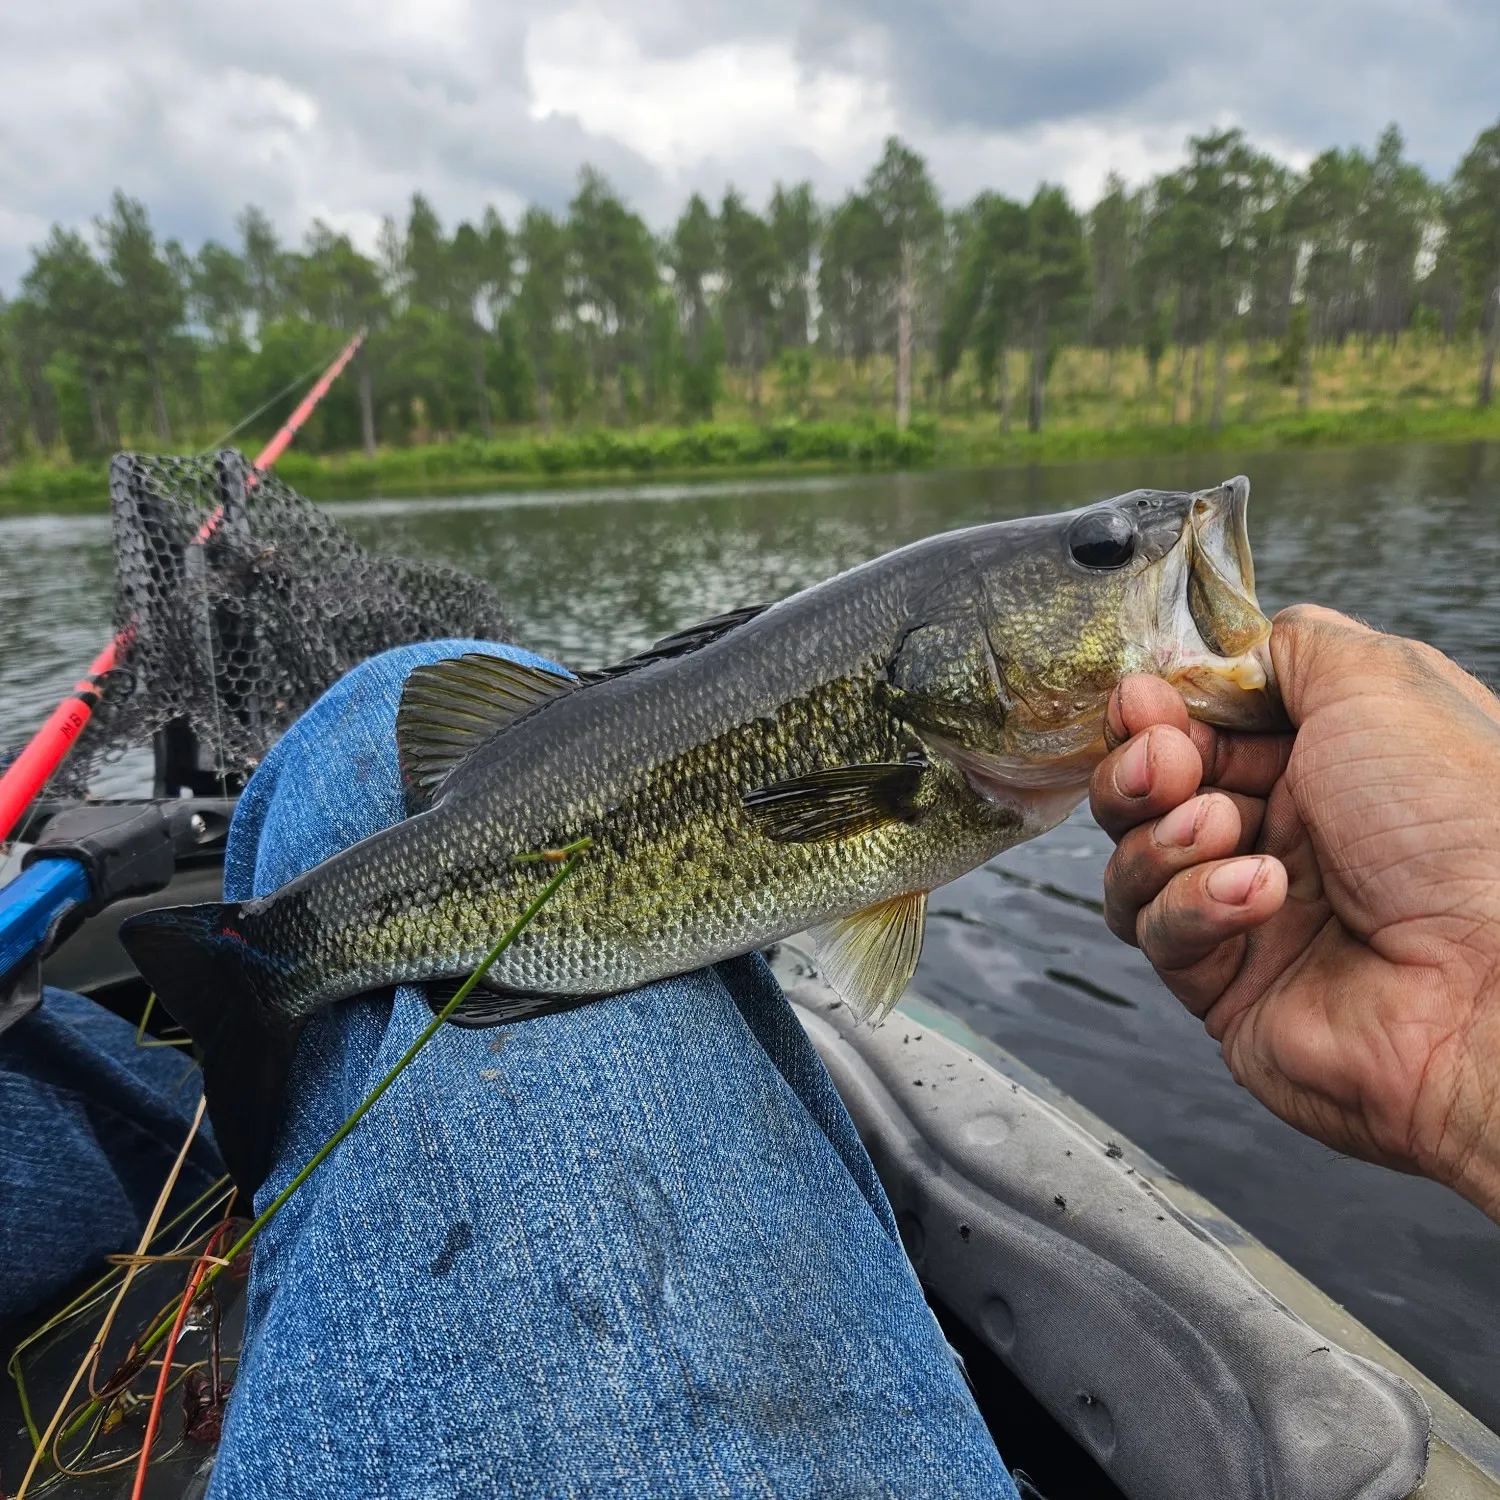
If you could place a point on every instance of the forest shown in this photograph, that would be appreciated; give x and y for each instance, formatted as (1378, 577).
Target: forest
(1232, 277)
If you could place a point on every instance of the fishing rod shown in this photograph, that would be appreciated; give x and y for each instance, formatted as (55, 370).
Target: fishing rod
(29, 772)
(111, 852)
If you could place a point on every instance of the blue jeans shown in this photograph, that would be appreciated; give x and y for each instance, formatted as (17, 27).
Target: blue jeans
(89, 1127)
(634, 1249)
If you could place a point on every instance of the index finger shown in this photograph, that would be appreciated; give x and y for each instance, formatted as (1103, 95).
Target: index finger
(1250, 764)
(1139, 701)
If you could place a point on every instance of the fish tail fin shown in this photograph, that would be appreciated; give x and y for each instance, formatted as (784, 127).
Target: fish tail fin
(204, 966)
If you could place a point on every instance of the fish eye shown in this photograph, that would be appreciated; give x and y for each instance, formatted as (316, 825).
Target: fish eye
(1102, 540)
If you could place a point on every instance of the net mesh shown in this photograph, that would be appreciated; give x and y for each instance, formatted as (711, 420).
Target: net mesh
(241, 602)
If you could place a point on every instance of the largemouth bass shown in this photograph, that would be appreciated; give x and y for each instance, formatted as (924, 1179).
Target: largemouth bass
(821, 763)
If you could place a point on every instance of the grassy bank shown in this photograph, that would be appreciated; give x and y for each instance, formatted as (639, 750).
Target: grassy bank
(1367, 427)
(469, 466)
(1096, 408)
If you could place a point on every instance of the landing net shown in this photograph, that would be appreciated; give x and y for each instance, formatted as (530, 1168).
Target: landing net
(240, 602)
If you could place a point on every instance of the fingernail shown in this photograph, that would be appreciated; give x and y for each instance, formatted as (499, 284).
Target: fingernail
(1231, 884)
(1115, 731)
(1179, 828)
(1133, 774)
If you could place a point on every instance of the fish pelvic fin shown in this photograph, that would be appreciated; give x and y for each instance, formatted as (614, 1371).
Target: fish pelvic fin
(450, 708)
(204, 967)
(869, 958)
(838, 803)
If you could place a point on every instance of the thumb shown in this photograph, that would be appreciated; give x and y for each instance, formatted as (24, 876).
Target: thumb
(1322, 658)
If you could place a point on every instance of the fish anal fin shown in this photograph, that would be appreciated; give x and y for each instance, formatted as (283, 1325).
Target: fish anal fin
(450, 708)
(486, 1006)
(869, 958)
(837, 803)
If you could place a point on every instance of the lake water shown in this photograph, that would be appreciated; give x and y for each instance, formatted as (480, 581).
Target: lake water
(1409, 539)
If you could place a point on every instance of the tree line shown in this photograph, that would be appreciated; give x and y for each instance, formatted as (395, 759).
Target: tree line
(589, 316)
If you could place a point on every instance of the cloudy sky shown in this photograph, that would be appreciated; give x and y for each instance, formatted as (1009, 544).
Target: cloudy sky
(340, 108)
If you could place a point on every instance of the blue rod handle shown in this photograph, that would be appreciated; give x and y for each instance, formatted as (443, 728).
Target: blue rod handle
(32, 902)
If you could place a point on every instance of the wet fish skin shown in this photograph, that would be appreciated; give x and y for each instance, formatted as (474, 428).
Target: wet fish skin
(841, 752)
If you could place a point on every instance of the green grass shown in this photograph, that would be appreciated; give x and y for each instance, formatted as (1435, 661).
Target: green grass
(51, 488)
(718, 449)
(711, 449)
(1365, 427)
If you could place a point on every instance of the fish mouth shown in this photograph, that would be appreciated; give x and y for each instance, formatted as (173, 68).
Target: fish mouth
(1215, 648)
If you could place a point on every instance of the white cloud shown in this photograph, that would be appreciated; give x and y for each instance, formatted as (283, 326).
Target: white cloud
(712, 103)
(342, 108)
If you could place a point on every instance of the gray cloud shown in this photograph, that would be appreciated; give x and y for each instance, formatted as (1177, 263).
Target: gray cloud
(341, 108)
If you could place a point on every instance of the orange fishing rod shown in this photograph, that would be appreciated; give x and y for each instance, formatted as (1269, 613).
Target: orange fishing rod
(29, 772)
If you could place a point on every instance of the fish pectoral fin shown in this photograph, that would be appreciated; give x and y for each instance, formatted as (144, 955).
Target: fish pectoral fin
(869, 958)
(450, 708)
(488, 1005)
(838, 803)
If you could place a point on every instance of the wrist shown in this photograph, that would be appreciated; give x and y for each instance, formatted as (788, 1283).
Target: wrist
(1479, 1180)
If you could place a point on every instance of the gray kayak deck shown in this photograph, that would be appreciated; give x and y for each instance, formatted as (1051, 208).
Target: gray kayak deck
(1060, 1243)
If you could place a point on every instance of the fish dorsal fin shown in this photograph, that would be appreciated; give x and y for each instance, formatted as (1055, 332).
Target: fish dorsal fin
(869, 958)
(681, 642)
(838, 803)
(450, 708)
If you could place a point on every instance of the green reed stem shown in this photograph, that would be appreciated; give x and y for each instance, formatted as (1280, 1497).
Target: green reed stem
(140, 1030)
(568, 857)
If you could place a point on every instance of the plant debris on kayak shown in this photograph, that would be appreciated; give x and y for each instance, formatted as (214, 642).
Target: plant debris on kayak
(822, 762)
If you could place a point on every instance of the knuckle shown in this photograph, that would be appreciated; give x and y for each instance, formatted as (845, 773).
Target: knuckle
(1304, 617)
(1120, 918)
(1412, 661)
(1159, 935)
(1173, 931)
(1199, 986)
(1300, 634)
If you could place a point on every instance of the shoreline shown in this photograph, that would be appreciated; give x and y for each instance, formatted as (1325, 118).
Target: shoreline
(724, 451)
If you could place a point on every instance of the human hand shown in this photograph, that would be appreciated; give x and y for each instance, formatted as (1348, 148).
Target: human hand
(1329, 903)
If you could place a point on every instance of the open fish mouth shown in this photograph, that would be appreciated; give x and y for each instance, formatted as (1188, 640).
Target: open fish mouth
(1215, 648)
